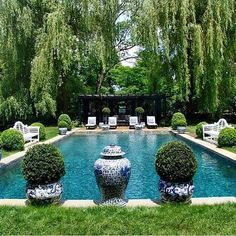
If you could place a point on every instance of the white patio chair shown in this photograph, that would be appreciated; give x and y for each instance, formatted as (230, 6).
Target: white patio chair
(30, 133)
(151, 122)
(112, 122)
(91, 122)
(212, 131)
(133, 120)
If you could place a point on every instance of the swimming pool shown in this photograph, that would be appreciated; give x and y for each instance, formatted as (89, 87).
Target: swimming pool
(215, 176)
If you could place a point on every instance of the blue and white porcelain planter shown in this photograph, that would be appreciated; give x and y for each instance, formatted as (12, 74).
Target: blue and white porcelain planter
(62, 131)
(176, 192)
(112, 172)
(47, 193)
(181, 129)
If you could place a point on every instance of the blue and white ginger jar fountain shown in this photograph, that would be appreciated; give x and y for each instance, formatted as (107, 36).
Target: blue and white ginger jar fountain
(112, 172)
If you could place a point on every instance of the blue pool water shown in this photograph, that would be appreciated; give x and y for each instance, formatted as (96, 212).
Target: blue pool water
(215, 176)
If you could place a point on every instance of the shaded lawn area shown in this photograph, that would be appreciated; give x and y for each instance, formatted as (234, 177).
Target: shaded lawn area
(51, 132)
(165, 220)
(231, 149)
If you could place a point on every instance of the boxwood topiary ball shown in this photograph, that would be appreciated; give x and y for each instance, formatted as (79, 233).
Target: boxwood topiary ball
(42, 130)
(12, 139)
(43, 164)
(63, 124)
(175, 162)
(199, 131)
(175, 118)
(106, 110)
(181, 122)
(227, 137)
(139, 110)
(66, 118)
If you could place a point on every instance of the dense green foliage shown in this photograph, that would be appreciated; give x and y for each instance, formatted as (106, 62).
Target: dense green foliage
(176, 118)
(56, 50)
(42, 130)
(43, 164)
(193, 43)
(181, 122)
(176, 162)
(227, 137)
(165, 220)
(139, 110)
(199, 131)
(63, 124)
(66, 119)
(12, 139)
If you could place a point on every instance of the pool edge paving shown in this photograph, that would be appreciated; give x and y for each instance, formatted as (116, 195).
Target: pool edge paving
(131, 203)
(209, 146)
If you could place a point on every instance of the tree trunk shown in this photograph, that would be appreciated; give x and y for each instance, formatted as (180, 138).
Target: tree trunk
(100, 79)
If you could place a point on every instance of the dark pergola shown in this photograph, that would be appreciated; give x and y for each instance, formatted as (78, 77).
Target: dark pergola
(121, 106)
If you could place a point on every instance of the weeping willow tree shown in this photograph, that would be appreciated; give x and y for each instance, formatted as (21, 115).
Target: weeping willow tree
(110, 26)
(196, 40)
(16, 52)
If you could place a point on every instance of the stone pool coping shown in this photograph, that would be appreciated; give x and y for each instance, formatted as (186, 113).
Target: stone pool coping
(130, 203)
(209, 146)
(14, 158)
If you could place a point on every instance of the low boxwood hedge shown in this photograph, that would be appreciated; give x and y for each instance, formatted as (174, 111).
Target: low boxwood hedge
(12, 140)
(176, 118)
(65, 118)
(227, 137)
(199, 131)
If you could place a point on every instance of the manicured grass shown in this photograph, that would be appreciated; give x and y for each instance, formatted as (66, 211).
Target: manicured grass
(166, 220)
(231, 149)
(8, 153)
(51, 131)
(191, 129)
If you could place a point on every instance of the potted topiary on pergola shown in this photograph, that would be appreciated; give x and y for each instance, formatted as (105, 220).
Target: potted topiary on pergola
(176, 165)
(106, 112)
(43, 167)
(139, 111)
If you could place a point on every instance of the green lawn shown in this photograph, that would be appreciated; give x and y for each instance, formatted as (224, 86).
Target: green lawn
(166, 220)
(231, 149)
(51, 132)
(191, 129)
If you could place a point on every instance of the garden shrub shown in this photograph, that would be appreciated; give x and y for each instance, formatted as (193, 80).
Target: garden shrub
(66, 118)
(175, 162)
(43, 164)
(12, 140)
(106, 111)
(199, 131)
(63, 124)
(227, 137)
(175, 118)
(42, 130)
(181, 122)
(139, 110)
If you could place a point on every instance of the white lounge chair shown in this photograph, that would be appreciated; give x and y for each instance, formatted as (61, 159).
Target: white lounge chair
(112, 122)
(91, 123)
(151, 122)
(30, 133)
(212, 131)
(133, 120)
